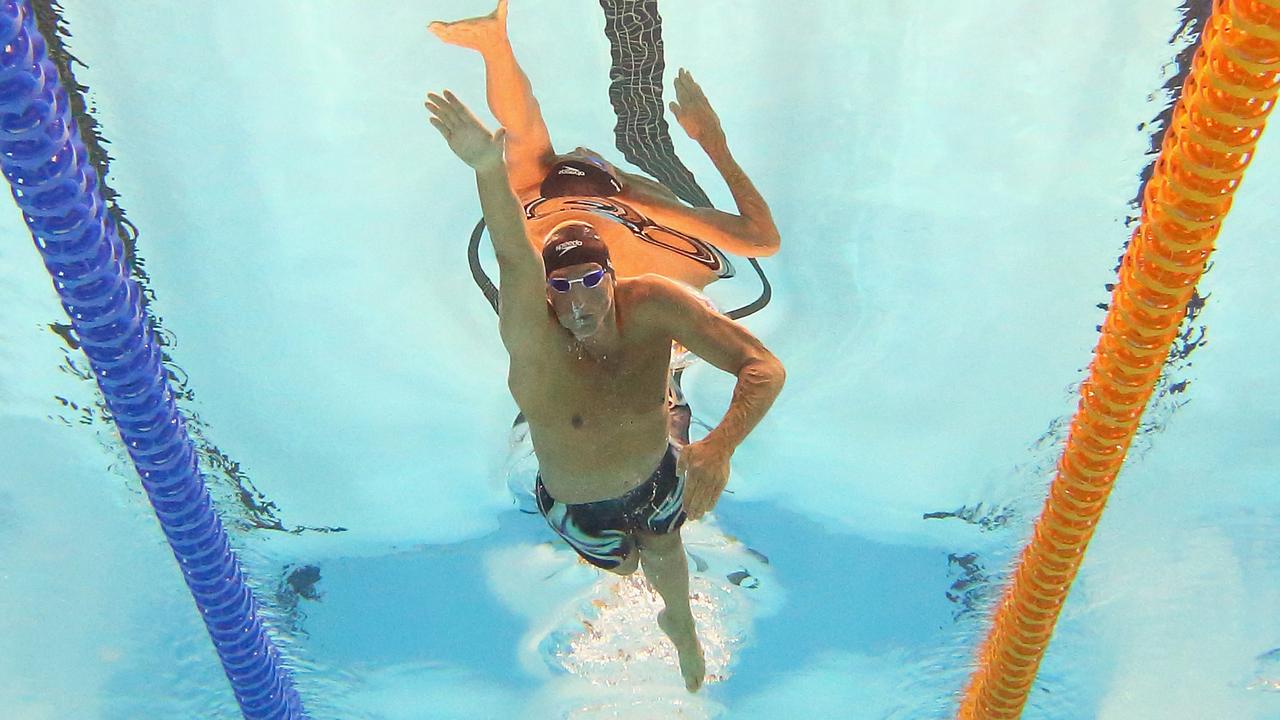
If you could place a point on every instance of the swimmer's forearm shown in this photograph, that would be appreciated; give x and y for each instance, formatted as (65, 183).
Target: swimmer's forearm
(759, 382)
(751, 204)
(503, 215)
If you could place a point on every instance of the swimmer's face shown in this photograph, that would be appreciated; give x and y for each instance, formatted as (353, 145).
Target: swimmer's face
(581, 310)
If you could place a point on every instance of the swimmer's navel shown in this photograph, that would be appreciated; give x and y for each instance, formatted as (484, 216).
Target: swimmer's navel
(577, 421)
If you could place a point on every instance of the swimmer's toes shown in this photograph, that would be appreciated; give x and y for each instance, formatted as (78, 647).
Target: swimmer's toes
(694, 669)
(693, 666)
(462, 35)
(476, 33)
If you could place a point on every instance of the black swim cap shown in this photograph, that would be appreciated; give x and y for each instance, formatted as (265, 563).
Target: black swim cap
(581, 178)
(572, 243)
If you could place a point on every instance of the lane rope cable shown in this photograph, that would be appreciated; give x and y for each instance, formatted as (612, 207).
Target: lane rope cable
(57, 189)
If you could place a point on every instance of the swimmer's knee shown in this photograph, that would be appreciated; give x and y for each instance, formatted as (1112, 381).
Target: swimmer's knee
(659, 543)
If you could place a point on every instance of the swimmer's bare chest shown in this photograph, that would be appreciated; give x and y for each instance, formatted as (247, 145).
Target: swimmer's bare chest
(599, 425)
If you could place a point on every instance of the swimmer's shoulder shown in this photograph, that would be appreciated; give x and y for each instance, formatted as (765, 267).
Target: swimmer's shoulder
(652, 297)
(644, 310)
(647, 287)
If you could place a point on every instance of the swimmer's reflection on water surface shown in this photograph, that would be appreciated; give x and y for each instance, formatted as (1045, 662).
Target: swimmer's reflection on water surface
(538, 173)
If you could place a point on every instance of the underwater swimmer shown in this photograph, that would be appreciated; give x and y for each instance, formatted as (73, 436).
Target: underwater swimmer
(538, 173)
(589, 356)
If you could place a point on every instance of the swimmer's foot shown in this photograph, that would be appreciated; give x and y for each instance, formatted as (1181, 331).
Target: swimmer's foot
(477, 33)
(692, 665)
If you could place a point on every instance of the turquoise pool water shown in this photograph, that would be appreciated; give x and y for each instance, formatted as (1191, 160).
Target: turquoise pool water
(953, 188)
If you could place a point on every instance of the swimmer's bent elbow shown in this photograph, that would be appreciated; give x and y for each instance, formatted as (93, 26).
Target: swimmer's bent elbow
(765, 370)
(766, 243)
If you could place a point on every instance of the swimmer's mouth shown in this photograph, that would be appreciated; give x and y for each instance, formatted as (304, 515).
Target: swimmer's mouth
(583, 326)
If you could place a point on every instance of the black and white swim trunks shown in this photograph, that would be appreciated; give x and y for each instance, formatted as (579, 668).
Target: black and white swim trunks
(603, 532)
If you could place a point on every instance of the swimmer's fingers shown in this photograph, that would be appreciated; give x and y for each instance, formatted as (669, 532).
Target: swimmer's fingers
(443, 119)
(693, 111)
(451, 110)
(686, 119)
(692, 506)
(681, 115)
(688, 90)
(695, 498)
(700, 505)
(441, 109)
(682, 87)
(455, 117)
(460, 108)
(467, 137)
(433, 108)
(462, 112)
(683, 78)
(439, 117)
(690, 487)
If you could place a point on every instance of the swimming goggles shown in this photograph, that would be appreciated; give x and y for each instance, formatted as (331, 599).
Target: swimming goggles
(589, 280)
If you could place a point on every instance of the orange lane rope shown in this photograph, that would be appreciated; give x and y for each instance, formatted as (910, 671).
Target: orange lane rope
(1215, 127)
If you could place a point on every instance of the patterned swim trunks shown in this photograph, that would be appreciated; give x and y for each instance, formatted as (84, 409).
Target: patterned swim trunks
(603, 532)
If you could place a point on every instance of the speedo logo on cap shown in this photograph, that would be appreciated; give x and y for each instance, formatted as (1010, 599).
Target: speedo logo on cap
(567, 245)
(566, 170)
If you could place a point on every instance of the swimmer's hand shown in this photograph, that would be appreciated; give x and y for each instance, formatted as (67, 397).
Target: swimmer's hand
(468, 138)
(705, 469)
(694, 112)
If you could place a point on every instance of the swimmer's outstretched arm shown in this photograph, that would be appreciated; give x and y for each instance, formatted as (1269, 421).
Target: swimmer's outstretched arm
(521, 295)
(756, 232)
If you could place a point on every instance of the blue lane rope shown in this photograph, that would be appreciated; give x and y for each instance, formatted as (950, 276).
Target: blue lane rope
(47, 165)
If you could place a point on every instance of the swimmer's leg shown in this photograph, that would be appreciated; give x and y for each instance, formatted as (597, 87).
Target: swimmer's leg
(511, 100)
(667, 569)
